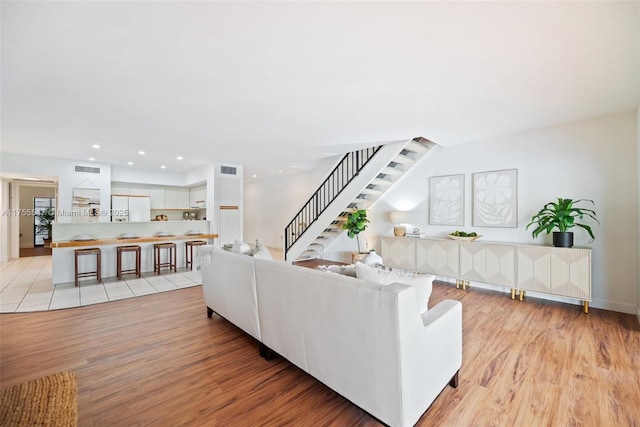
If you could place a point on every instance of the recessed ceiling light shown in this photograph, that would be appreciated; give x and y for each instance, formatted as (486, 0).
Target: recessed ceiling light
(96, 145)
(279, 170)
(163, 167)
(179, 157)
(255, 175)
(130, 163)
(141, 152)
(92, 159)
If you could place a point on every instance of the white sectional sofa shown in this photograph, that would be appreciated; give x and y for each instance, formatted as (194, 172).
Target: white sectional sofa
(368, 342)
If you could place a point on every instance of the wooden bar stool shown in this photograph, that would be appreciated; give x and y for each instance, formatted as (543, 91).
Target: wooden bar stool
(171, 257)
(88, 251)
(131, 248)
(188, 253)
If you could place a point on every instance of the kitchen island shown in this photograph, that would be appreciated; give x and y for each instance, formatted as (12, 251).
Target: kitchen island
(108, 236)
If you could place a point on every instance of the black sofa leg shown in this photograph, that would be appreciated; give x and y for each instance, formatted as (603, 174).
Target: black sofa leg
(209, 312)
(454, 380)
(266, 352)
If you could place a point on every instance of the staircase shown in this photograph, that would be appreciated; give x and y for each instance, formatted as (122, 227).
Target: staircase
(358, 180)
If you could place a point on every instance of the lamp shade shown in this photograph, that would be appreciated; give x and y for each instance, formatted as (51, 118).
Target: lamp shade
(398, 217)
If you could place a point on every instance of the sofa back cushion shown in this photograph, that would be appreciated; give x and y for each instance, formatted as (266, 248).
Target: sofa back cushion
(229, 289)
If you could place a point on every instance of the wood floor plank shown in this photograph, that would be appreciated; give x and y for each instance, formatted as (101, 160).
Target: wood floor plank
(158, 360)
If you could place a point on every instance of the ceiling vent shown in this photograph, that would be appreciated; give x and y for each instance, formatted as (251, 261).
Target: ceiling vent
(87, 169)
(228, 170)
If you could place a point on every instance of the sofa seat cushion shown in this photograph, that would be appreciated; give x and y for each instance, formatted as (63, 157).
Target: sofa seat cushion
(422, 283)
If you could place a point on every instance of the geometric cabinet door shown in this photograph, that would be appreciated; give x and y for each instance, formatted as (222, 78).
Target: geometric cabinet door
(556, 271)
(399, 252)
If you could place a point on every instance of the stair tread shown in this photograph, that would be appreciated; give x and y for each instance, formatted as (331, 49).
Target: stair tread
(401, 158)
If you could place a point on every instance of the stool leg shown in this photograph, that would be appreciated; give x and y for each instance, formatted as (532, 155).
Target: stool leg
(76, 268)
(174, 252)
(119, 263)
(99, 267)
(138, 267)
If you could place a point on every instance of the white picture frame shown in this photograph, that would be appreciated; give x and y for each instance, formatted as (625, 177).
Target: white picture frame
(446, 200)
(495, 198)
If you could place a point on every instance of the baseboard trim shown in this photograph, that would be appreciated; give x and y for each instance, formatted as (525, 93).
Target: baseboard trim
(595, 303)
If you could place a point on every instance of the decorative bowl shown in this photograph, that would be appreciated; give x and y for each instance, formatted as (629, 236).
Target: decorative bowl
(128, 236)
(83, 238)
(464, 239)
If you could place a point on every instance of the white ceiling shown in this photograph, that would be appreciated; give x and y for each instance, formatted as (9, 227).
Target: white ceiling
(274, 84)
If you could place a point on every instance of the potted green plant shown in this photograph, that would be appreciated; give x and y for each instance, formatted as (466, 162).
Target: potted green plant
(562, 215)
(45, 224)
(356, 223)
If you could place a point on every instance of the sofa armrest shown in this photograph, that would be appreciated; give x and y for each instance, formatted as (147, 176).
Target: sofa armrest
(439, 311)
(431, 356)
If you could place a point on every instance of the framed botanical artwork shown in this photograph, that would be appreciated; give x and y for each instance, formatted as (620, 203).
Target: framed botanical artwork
(446, 200)
(495, 197)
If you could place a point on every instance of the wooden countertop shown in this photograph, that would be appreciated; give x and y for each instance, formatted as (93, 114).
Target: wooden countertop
(116, 240)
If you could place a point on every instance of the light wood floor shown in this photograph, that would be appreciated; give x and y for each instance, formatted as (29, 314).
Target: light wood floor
(158, 360)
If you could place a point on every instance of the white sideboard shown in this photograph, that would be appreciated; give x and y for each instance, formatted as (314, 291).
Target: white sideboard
(563, 272)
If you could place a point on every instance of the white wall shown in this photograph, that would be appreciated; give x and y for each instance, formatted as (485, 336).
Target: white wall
(638, 176)
(67, 179)
(269, 204)
(596, 159)
(5, 229)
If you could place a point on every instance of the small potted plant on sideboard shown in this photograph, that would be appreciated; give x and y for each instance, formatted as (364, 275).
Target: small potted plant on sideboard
(562, 215)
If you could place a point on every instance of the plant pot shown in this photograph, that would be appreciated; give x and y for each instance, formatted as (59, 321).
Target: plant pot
(358, 257)
(563, 239)
(400, 230)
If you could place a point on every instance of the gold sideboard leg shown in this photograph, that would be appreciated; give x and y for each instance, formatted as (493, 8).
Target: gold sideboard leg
(468, 283)
(524, 294)
(464, 285)
(513, 293)
(457, 283)
(586, 307)
(521, 295)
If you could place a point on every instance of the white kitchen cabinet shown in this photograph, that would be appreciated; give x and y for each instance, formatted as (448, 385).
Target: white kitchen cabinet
(140, 191)
(197, 196)
(119, 207)
(157, 198)
(176, 198)
(130, 208)
(139, 208)
(120, 189)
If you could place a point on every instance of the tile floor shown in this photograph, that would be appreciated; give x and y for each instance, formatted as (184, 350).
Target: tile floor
(25, 285)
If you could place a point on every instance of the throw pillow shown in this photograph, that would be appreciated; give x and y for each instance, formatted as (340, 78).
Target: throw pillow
(345, 270)
(261, 252)
(423, 284)
(372, 259)
(241, 247)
